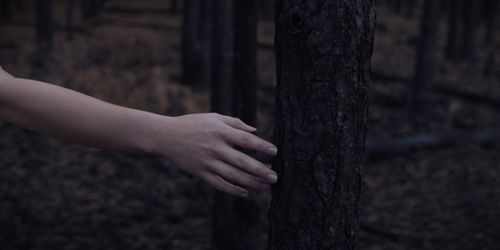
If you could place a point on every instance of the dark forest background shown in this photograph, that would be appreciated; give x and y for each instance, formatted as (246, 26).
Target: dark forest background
(432, 179)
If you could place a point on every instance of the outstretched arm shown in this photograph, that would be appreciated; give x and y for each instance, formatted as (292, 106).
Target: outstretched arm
(201, 144)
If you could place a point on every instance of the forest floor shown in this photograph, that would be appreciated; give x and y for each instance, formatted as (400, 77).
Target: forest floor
(55, 195)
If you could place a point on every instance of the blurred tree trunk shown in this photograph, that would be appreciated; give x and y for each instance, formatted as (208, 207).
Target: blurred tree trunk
(323, 50)
(245, 107)
(174, 7)
(425, 65)
(453, 29)
(470, 24)
(91, 8)
(70, 12)
(44, 25)
(490, 9)
(245, 60)
(221, 102)
(196, 44)
(5, 10)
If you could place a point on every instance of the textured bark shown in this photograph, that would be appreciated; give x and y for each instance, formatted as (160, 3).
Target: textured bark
(424, 67)
(245, 59)
(323, 50)
(44, 25)
(221, 102)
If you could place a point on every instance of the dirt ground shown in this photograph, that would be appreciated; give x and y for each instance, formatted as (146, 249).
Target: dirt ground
(55, 195)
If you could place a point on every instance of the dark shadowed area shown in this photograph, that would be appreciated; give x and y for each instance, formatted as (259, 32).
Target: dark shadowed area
(432, 178)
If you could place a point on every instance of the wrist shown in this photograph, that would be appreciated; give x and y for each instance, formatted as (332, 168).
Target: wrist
(154, 130)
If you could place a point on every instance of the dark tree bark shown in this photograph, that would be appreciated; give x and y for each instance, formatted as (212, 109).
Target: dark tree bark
(425, 65)
(221, 102)
(453, 29)
(245, 60)
(70, 12)
(196, 43)
(470, 23)
(44, 25)
(323, 50)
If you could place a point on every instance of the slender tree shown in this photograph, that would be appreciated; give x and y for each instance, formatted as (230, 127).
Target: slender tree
(174, 7)
(490, 8)
(323, 50)
(70, 12)
(44, 25)
(453, 29)
(221, 102)
(5, 10)
(245, 107)
(245, 59)
(425, 65)
(470, 25)
(196, 43)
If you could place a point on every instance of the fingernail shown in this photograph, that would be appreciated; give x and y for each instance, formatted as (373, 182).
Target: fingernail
(272, 151)
(252, 128)
(273, 178)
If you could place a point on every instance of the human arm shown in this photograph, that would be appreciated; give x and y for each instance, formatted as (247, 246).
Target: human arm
(200, 144)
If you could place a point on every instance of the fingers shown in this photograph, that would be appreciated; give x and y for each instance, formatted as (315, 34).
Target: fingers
(248, 164)
(250, 141)
(237, 176)
(222, 185)
(235, 123)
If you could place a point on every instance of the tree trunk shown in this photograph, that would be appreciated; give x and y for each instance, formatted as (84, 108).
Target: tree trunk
(5, 10)
(196, 44)
(323, 50)
(470, 23)
(91, 8)
(174, 7)
(245, 107)
(424, 68)
(44, 25)
(490, 8)
(245, 60)
(453, 29)
(70, 11)
(221, 102)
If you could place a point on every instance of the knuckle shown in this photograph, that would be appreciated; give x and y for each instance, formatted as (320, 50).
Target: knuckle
(245, 140)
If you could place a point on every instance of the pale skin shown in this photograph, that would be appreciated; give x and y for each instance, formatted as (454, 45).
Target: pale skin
(202, 145)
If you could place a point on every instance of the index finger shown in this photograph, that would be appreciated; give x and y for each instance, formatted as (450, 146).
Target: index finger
(250, 141)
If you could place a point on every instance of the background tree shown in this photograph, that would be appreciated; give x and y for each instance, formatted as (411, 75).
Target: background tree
(70, 12)
(455, 6)
(245, 60)
(5, 10)
(196, 43)
(44, 25)
(425, 65)
(221, 102)
(323, 51)
(470, 26)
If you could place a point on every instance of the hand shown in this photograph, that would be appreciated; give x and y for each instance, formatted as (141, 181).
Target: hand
(203, 145)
